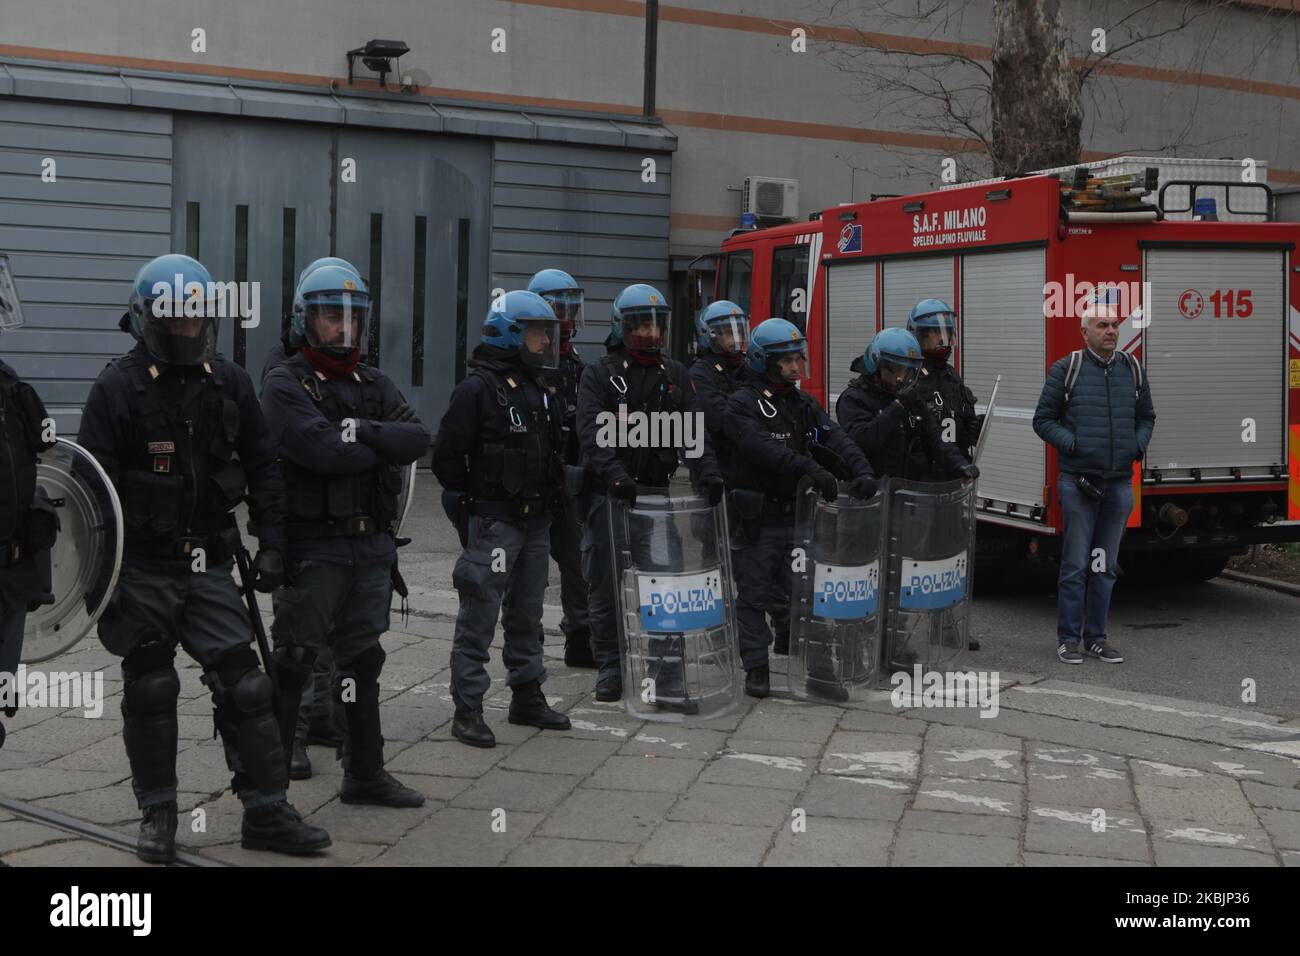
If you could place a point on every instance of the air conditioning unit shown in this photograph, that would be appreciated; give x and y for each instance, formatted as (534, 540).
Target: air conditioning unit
(773, 200)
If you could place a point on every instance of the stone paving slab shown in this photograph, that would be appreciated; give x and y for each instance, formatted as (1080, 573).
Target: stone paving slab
(775, 782)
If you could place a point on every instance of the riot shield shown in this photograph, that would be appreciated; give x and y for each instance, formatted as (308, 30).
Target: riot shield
(87, 554)
(835, 602)
(988, 422)
(929, 541)
(672, 572)
(405, 498)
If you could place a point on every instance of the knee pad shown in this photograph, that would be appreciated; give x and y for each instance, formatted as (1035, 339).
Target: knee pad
(238, 684)
(148, 657)
(155, 692)
(296, 659)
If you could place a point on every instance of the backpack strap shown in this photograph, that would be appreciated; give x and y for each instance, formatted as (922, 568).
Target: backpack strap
(1072, 373)
(1135, 367)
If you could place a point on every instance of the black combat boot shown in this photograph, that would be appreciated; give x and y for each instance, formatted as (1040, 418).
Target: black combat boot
(609, 689)
(826, 687)
(469, 727)
(279, 828)
(757, 683)
(670, 692)
(383, 791)
(528, 706)
(577, 649)
(158, 833)
(299, 762)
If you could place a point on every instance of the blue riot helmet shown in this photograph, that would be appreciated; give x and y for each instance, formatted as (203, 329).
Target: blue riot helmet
(639, 320)
(523, 323)
(331, 312)
(564, 296)
(778, 351)
(935, 326)
(894, 356)
(723, 328)
(174, 307)
(295, 338)
(327, 261)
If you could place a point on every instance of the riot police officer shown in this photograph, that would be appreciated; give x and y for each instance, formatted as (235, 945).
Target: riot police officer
(497, 457)
(884, 410)
(718, 370)
(934, 325)
(290, 342)
(27, 521)
(344, 434)
(316, 724)
(635, 376)
(178, 429)
(779, 435)
(564, 296)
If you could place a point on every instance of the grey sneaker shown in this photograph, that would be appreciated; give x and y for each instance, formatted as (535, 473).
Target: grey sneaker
(1104, 652)
(1069, 654)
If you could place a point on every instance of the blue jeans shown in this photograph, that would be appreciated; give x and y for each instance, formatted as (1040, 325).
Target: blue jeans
(1083, 594)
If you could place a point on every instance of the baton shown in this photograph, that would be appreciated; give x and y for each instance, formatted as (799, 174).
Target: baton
(245, 566)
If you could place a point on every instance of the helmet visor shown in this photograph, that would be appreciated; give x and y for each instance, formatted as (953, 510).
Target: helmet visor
(567, 306)
(937, 334)
(11, 312)
(180, 339)
(729, 335)
(336, 322)
(541, 343)
(898, 373)
(646, 329)
(788, 365)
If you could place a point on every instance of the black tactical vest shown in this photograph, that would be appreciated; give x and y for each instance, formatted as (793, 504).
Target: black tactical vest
(316, 499)
(786, 419)
(21, 417)
(650, 390)
(181, 479)
(515, 459)
(562, 383)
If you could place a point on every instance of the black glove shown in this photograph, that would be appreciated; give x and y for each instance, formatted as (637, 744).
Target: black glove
(825, 483)
(863, 488)
(714, 488)
(402, 413)
(624, 488)
(268, 570)
(969, 472)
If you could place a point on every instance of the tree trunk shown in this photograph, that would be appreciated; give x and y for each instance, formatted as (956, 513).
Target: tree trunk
(1037, 113)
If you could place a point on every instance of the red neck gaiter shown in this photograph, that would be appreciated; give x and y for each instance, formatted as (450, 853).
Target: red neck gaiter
(329, 366)
(643, 358)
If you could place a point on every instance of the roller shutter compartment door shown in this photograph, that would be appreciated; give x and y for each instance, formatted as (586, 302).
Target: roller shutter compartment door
(1210, 374)
(1003, 333)
(850, 321)
(908, 281)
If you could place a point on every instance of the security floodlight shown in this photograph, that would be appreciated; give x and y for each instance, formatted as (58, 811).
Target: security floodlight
(377, 55)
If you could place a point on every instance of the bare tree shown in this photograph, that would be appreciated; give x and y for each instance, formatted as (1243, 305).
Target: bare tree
(1018, 105)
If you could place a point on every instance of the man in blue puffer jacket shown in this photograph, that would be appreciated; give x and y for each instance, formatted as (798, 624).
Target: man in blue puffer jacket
(1096, 411)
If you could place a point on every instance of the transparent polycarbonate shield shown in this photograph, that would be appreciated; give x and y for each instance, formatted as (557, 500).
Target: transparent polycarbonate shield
(835, 600)
(674, 589)
(406, 496)
(87, 554)
(929, 542)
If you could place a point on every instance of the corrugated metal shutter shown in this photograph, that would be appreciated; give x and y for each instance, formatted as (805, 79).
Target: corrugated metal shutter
(584, 210)
(908, 281)
(1208, 375)
(76, 243)
(850, 321)
(1003, 333)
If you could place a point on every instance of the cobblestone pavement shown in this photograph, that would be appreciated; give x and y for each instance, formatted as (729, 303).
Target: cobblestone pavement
(1064, 774)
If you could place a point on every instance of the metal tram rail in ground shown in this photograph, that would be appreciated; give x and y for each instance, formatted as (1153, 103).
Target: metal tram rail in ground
(93, 831)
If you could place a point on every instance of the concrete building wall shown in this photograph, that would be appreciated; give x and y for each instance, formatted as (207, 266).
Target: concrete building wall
(729, 85)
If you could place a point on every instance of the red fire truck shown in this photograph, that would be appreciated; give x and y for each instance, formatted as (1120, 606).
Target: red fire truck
(1211, 314)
